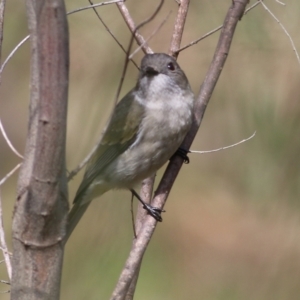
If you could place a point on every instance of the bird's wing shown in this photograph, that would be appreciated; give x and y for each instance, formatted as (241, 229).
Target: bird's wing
(120, 133)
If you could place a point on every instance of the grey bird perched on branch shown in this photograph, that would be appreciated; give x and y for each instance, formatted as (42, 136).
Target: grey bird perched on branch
(147, 127)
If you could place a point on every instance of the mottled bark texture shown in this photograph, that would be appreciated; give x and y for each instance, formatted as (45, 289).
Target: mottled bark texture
(41, 207)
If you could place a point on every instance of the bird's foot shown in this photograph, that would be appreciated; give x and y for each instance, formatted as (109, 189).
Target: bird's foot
(183, 154)
(155, 212)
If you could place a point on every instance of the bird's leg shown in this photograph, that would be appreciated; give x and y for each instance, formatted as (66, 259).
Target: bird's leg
(183, 153)
(153, 211)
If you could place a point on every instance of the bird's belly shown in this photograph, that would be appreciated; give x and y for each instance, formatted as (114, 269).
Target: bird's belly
(160, 135)
(140, 162)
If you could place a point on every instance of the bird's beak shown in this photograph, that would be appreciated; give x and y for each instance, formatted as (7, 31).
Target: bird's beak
(150, 71)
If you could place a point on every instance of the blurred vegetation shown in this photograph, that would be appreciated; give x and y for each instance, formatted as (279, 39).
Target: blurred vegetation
(232, 226)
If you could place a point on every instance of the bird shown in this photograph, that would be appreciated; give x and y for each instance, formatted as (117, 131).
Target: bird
(147, 127)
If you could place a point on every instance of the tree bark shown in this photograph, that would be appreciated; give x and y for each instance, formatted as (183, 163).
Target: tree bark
(41, 207)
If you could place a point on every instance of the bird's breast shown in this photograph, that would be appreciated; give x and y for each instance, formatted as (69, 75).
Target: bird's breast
(162, 130)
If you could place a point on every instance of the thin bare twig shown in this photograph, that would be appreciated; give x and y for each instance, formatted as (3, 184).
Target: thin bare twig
(213, 31)
(11, 54)
(131, 25)
(10, 174)
(146, 194)
(199, 39)
(283, 28)
(251, 7)
(5, 282)
(93, 6)
(150, 36)
(2, 9)
(9, 253)
(224, 148)
(178, 27)
(112, 35)
(3, 243)
(13, 149)
(134, 35)
(84, 161)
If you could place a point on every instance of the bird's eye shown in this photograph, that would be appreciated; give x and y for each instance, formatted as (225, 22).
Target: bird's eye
(171, 66)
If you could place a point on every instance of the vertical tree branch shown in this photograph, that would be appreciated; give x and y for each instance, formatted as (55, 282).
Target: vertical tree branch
(179, 27)
(146, 194)
(41, 208)
(131, 25)
(3, 244)
(2, 9)
(140, 244)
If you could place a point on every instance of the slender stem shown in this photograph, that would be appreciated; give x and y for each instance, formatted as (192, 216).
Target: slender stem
(179, 27)
(132, 27)
(93, 6)
(2, 9)
(3, 243)
(146, 194)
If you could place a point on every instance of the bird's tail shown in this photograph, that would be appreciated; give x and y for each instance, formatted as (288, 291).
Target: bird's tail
(81, 202)
(75, 215)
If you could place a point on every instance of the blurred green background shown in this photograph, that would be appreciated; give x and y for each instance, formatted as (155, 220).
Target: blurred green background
(232, 226)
